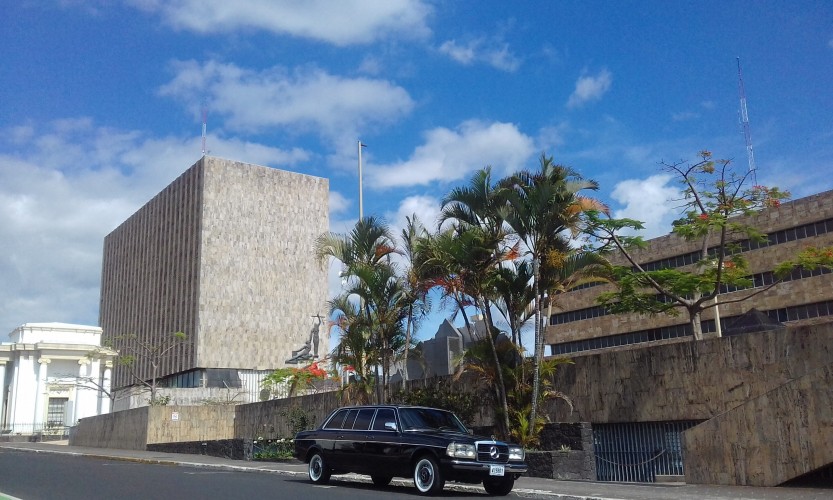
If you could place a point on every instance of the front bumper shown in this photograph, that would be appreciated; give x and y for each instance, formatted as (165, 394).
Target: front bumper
(482, 468)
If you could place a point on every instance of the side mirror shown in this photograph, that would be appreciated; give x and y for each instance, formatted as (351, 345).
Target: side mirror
(470, 430)
(390, 426)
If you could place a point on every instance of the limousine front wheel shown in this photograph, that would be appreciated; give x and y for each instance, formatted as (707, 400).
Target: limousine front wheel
(499, 487)
(427, 476)
(319, 473)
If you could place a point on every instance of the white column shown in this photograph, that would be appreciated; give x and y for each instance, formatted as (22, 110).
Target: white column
(13, 388)
(2, 394)
(40, 396)
(85, 371)
(105, 384)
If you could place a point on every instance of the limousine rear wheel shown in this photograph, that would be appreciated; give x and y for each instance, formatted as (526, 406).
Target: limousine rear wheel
(427, 476)
(381, 480)
(319, 473)
(499, 487)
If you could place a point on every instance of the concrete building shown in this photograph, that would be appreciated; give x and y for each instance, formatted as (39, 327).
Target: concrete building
(655, 398)
(52, 375)
(224, 254)
(579, 325)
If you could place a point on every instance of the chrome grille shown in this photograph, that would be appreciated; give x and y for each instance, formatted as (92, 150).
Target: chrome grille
(485, 452)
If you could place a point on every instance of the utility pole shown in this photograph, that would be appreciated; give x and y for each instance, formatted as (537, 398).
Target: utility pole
(361, 207)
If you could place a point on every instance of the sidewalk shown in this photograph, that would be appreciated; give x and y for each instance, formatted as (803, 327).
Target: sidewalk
(525, 486)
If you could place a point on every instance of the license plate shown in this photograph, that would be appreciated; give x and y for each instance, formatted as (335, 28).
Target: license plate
(496, 470)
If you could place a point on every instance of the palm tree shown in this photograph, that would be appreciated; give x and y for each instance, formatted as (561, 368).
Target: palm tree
(363, 253)
(515, 297)
(385, 297)
(416, 288)
(478, 212)
(467, 262)
(544, 205)
(355, 347)
(369, 242)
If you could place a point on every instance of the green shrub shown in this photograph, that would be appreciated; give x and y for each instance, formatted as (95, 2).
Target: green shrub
(443, 394)
(273, 449)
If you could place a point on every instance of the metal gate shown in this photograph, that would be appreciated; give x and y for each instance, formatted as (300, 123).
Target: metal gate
(638, 452)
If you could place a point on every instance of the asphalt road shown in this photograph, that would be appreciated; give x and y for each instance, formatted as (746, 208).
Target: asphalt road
(44, 476)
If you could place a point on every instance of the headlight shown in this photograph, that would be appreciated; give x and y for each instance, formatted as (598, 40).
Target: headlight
(516, 453)
(460, 450)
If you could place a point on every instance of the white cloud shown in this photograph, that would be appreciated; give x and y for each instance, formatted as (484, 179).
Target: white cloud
(684, 116)
(495, 54)
(426, 208)
(338, 203)
(647, 200)
(63, 187)
(451, 155)
(370, 66)
(344, 22)
(590, 88)
(307, 99)
(553, 136)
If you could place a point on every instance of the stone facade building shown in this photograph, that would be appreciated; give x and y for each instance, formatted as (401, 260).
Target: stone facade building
(578, 324)
(226, 255)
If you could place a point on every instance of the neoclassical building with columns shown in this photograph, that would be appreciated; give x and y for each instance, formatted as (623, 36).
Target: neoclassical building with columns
(52, 375)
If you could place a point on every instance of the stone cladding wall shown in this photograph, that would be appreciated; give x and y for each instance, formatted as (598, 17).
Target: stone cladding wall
(577, 463)
(689, 380)
(126, 430)
(782, 434)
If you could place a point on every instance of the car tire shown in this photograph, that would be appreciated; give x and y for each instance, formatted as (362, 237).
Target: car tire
(428, 478)
(499, 487)
(319, 472)
(381, 480)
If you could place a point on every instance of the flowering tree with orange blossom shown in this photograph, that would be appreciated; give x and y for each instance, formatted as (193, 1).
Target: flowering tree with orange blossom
(295, 379)
(717, 208)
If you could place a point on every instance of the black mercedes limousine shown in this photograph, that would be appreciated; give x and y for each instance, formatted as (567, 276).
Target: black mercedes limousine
(429, 445)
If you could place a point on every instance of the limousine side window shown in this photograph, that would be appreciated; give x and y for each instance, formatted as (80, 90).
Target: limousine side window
(336, 421)
(383, 415)
(364, 419)
(350, 420)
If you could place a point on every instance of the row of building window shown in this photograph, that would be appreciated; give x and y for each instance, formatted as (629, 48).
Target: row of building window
(784, 314)
(796, 233)
(775, 238)
(758, 280)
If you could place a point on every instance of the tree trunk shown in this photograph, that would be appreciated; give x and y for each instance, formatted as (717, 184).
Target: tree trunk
(501, 386)
(536, 362)
(407, 345)
(696, 325)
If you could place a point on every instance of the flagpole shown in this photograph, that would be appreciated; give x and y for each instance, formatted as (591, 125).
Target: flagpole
(361, 207)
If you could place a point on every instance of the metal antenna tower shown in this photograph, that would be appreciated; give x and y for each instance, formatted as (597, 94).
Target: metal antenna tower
(204, 121)
(744, 118)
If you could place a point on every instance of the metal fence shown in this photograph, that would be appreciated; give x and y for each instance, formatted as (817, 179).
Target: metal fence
(40, 431)
(638, 452)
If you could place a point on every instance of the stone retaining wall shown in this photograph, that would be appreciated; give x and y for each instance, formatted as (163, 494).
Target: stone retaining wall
(689, 380)
(771, 439)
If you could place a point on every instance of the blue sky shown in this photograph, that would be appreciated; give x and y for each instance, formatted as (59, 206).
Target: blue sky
(100, 108)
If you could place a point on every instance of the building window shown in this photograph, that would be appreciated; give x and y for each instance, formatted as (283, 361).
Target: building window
(56, 412)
